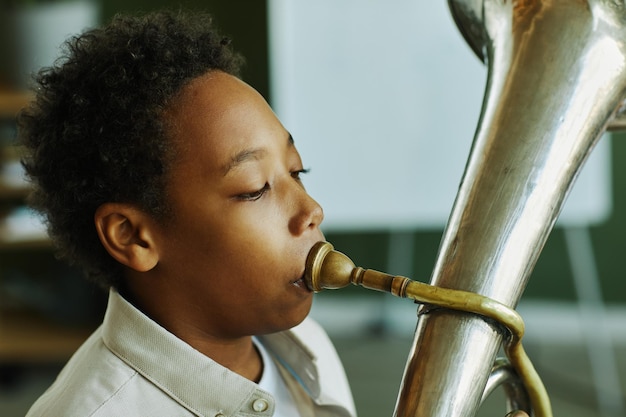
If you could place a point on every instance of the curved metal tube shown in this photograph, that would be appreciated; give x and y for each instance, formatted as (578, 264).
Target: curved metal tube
(327, 268)
(556, 79)
(503, 375)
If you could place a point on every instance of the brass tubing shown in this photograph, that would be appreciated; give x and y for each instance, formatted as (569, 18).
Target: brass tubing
(327, 268)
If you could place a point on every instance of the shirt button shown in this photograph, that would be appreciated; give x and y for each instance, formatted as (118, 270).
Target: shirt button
(260, 405)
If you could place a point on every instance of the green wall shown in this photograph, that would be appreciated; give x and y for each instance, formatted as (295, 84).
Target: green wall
(244, 21)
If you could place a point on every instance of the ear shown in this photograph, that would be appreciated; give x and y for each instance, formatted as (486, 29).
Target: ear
(127, 233)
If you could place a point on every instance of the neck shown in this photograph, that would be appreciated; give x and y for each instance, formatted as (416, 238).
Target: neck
(237, 353)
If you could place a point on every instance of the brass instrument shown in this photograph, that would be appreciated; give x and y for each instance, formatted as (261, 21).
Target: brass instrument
(327, 268)
(556, 81)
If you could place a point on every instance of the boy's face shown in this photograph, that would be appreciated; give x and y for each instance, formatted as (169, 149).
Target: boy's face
(242, 222)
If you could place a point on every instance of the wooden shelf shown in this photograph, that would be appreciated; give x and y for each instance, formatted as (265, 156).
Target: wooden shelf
(25, 245)
(26, 338)
(11, 102)
(10, 192)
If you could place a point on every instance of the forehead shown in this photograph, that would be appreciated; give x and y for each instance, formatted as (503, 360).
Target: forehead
(217, 116)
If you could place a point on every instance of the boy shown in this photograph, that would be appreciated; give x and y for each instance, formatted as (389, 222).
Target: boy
(173, 185)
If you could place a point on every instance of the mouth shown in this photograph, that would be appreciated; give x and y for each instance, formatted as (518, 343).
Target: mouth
(301, 283)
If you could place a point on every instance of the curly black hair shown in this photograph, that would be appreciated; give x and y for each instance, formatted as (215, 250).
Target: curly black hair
(95, 131)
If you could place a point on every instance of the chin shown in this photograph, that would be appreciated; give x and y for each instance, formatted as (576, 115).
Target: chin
(294, 317)
(303, 312)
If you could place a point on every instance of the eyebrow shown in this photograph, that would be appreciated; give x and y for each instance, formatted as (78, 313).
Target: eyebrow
(241, 157)
(248, 155)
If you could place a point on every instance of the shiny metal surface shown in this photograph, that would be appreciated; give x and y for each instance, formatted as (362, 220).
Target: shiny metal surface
(503, 375)
(556, 80)
(327, 268)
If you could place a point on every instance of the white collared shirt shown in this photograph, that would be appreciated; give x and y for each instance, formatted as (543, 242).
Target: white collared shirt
(272, 382)
(132, 367)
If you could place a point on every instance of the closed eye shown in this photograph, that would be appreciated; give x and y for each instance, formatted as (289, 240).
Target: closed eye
(255, 195)
(296, 174)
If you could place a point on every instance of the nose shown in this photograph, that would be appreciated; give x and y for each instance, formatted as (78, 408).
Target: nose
(308, 214)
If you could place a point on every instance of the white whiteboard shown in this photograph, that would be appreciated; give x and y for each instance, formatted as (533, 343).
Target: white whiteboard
(383, 98)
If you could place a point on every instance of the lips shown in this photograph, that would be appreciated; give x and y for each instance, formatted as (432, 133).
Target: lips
(301, 283)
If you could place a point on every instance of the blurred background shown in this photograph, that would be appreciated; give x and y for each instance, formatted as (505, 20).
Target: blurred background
(347, 78)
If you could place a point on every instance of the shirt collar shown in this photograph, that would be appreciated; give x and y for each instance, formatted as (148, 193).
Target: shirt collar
(194, 380)
(289, 350)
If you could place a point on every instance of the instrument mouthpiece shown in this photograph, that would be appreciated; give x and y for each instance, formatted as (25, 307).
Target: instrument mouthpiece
(326, 268)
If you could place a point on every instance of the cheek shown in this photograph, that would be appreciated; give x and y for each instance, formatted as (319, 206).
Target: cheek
(261, 220)
(228, 234)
